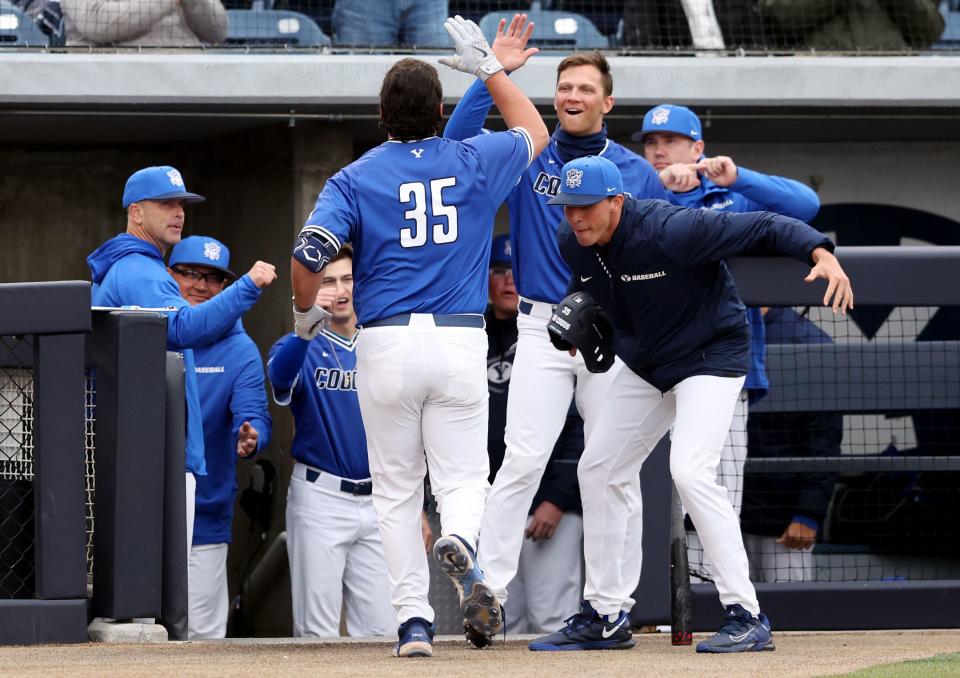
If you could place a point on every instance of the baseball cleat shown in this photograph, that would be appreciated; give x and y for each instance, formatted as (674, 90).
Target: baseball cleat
(474, 637)
(415, 639)
(741, 632)
(478, 603)
(588, 630)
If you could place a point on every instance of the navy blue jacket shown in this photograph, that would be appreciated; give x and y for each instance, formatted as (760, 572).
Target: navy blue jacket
(674, 304)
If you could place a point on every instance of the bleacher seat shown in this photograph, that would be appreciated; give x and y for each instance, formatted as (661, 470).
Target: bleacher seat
(18, 29)
(555, 29)
(273, 27)
(951, 33)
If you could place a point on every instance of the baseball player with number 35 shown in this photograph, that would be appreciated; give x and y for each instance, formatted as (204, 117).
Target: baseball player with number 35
(682, 334)
(419, 211)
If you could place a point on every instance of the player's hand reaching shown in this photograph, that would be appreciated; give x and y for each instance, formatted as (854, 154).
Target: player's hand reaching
(326, 297)
(474, 54)
(543, 523)
(798, 536)
(680, 177)
(510, 45)
(262, 274)
(839, 292)
(247, 438)
(721, 170)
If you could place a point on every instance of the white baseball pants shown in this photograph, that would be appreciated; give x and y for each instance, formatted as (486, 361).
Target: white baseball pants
(423, 389)
(732, 459)
(542, 383)
(209, 604)
(549, 579)
(336, 560)
(633, 419)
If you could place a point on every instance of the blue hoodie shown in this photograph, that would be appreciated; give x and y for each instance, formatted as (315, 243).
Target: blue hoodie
(128, 271)
(230, 377)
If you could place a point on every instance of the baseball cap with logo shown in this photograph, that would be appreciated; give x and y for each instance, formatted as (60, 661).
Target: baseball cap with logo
(671, 118)
(200, 250)
(587, 181)
(501, 253)
(157, 183)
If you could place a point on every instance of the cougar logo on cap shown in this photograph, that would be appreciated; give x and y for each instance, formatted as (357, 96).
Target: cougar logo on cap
(211, 250)
(574, 178)
(175, 178)
(660, 116)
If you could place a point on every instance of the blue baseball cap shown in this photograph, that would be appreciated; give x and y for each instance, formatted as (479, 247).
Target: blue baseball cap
(500, 252)
(670, 118)
(157, 183)
(201, 250)
(587, 181)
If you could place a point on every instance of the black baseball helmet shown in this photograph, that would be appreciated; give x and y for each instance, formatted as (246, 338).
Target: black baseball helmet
(579, 322)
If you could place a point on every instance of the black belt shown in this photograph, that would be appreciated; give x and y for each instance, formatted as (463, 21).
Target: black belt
(440, 320)
(362, 488)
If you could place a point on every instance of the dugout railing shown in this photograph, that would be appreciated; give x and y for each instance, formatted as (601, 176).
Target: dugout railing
(885, 376)
(85, 389)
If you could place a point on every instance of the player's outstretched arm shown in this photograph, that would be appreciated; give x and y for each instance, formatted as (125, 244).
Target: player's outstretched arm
(475, 56)
(839, 292)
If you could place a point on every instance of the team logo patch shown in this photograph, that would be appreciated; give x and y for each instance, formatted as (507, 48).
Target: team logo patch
(660, 116)
(175, 178)
(417, 153)
(211, 251)
(574, 178)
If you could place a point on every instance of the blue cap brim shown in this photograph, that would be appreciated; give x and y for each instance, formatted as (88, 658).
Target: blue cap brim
(186, 196)
(577, 199)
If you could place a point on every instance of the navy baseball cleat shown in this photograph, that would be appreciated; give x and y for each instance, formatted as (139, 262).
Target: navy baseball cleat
(415, 639)
(479, 604)
(741, 632)
(588, 630)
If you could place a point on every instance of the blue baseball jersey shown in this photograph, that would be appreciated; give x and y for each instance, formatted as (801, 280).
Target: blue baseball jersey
(323, 399)
(420, 217)
(539, 271)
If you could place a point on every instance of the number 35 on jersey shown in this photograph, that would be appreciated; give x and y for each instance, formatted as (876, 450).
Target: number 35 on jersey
(419, 197)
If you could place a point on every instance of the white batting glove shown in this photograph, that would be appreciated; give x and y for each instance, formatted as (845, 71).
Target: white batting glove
(474, 54)
(307, 324)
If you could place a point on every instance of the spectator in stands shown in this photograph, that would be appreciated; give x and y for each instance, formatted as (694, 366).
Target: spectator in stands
(888, 25)
(236, 424)
(128, 270)
(693, 24)
(546, 589)
(783, 512)
(147, 23)
(410, 23)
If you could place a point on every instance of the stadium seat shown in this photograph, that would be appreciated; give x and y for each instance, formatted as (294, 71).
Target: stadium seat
(951, 33)
(18, 29)
(555, 29)
(266, 28)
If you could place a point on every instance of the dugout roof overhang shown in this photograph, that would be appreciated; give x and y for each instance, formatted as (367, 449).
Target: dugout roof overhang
(148, 96)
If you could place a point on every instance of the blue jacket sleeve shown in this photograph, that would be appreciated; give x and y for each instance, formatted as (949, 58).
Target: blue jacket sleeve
(285, 364)
(248, 402)
(777, 194)
(469, 114)
(193, 326)
(692, 237)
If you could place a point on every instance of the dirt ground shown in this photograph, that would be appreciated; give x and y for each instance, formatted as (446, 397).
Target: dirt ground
(797, 654)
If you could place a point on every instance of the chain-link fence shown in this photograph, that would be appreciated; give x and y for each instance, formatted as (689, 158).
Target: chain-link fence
(628, 26)
(17, 468)
(866, 429)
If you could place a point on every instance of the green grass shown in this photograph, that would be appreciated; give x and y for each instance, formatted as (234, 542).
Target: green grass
(937, 666)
